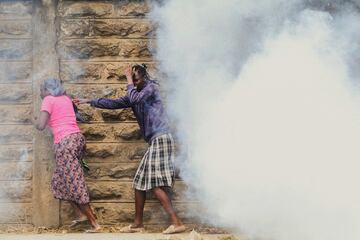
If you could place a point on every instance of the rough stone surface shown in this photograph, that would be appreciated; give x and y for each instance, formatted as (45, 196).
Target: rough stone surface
(15, 49)
(131, 8)
(75, 28)
(120, 191)
(19, 29)
(120, 28)
(105, 49)
(86, 9)
(114, 191)
(95, 91)
(115, 213)
(112, 171)
(16, 9)
(118, 115)
(15, 191)
(111, 132)
(102, 73)
(15, 114)
(15, 93)
(114, 152)
(129, 133)
(11, 72)
(19, 213)
(22, 152)
(15, 170)
(16, 134)
(102, 9)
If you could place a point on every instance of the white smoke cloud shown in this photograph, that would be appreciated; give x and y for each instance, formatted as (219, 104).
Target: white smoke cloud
(264, 96)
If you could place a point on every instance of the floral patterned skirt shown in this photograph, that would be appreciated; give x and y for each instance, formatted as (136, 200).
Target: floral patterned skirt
(68, 181)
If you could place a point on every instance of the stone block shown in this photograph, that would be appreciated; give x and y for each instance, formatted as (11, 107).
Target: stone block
(112, 191)
(15, 114)
(15, 29)
(16, 9)
(15, 191)
(136, 8)
(95, 91)
(17, 213)
(15, 170)
(112, 171)
(120, 191)
(20, 49)
(119, 49)
(117, 213)
(128, 133)
(122, 28)
(16, 134)
(88, 72)
(75, 9)
(22, 152)
(118, 115)
(15, 72)
(16, 93)
(120, 132)
(75, 28)
(103, 9)
(100, 28)
(114, 152)
(93, 133)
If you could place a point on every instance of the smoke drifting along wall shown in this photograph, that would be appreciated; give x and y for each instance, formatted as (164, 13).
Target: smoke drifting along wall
(272, 122)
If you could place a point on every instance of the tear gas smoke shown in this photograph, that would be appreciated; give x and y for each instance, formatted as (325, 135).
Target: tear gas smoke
(266, 100)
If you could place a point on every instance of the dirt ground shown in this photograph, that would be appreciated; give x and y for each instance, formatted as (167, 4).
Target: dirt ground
(117, 236)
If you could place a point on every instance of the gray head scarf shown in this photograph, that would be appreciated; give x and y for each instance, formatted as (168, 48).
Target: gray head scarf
(54, 87)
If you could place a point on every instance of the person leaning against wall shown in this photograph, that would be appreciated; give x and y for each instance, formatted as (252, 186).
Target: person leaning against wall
(156, 169)
(68, 181)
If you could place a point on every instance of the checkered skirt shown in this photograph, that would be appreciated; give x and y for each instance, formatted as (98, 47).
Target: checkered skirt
(157, 166)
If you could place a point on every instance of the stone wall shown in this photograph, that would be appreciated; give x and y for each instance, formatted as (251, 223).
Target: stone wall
(87, 44)
(16, 133)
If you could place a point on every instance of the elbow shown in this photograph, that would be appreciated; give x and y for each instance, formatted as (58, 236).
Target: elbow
(40, 128)
(133, 101)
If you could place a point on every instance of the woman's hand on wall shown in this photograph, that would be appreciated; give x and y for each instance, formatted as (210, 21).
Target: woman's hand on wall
(40, 124)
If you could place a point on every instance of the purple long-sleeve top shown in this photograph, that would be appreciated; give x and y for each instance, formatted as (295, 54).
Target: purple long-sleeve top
(146, 105)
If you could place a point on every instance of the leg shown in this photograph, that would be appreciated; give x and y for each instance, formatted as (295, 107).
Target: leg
(79, 215)
(137, 226)
(86, 210)
(166, 203)
(140, 197)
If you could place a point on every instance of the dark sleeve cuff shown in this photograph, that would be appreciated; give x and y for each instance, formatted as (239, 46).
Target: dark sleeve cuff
(94, 102)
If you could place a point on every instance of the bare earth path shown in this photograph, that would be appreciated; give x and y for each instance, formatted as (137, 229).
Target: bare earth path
(113, 236)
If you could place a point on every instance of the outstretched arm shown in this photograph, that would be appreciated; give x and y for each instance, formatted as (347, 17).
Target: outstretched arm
(106, 103)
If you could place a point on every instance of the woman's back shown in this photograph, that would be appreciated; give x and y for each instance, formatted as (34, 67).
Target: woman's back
(62, 116)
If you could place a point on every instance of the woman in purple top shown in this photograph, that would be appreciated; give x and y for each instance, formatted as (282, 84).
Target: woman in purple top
(156, 169)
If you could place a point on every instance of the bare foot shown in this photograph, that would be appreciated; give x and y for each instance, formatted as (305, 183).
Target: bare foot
(132, 229)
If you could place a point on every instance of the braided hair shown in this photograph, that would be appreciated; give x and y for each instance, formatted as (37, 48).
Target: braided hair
(141, 68)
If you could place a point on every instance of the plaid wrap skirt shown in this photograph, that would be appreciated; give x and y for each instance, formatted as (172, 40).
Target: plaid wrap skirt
(156, 168)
